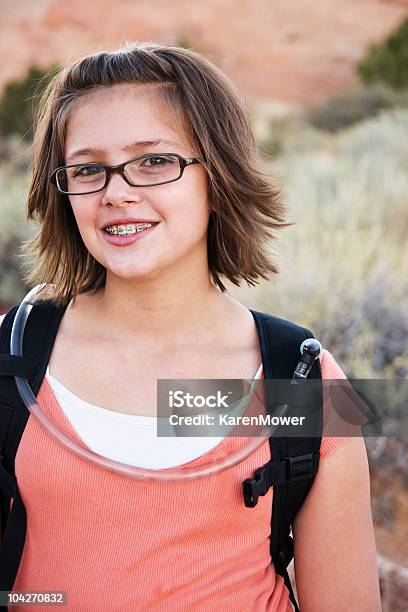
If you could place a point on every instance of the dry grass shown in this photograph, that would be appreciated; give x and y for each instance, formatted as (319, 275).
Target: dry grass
(344, 264)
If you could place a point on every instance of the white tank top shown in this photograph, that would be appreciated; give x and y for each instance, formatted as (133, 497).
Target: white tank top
(130, 439)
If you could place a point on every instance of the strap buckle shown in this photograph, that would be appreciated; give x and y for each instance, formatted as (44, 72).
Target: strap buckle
(256, 486)
(286, 471)
(300, 468)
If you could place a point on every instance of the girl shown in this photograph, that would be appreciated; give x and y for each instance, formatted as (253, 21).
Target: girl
(138, 244)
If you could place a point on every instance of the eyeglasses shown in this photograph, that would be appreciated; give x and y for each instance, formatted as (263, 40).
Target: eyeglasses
(144, 171)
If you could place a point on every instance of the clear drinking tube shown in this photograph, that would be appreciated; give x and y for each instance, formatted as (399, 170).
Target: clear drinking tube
(165, 475)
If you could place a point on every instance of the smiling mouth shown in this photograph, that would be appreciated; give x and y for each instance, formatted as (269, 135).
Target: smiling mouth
(128, 229)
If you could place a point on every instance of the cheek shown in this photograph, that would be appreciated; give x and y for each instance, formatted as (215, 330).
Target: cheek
(188, 225)
(189, 209)
(85, 217)
(84, 213)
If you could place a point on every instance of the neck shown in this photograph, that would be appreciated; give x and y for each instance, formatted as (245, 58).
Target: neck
(165, 308)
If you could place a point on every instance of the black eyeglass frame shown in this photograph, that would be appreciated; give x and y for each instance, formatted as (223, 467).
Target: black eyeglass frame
(120, 169)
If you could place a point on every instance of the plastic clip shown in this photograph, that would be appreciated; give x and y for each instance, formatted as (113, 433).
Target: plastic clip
(255, 487)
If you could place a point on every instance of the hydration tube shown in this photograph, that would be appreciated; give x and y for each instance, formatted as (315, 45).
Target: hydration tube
(164, 475)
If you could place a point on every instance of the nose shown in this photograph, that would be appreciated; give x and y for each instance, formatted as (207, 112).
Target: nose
(117, 191)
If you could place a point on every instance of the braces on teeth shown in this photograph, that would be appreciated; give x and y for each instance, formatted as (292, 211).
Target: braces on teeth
(125, 230)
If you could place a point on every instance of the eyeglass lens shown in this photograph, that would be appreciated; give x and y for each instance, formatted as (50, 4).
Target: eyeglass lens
(148, 171)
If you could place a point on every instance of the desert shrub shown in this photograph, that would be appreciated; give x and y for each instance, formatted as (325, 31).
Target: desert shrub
(13, 230)
(278, 134)
(353, 105)
(343, 265)
(388, 61)
(19, 101)
(16, 154)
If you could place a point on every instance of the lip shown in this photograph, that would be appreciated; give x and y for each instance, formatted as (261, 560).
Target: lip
(126, 220)
(126, 240)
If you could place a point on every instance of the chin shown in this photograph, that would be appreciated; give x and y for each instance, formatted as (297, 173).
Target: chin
(132, 273)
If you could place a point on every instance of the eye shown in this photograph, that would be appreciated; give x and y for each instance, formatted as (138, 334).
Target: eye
(158, 161)
(86, 170)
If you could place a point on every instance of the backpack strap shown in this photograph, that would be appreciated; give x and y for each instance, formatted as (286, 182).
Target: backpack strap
(39, 335)
(294, 461)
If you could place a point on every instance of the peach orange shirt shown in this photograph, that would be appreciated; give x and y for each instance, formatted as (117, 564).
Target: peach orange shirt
(120, 544)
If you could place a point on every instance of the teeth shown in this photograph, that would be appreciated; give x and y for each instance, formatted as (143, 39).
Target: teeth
(125, 230)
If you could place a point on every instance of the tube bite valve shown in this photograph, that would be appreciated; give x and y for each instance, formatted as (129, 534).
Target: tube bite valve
(310, 350)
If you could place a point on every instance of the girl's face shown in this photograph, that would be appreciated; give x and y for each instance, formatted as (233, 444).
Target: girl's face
(106, 122)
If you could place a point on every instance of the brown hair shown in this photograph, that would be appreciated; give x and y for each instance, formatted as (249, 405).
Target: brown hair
(246, 206)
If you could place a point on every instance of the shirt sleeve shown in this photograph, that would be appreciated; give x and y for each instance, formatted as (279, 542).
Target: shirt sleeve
(330, 371)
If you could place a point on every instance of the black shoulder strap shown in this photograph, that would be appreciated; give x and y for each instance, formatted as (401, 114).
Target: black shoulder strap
(294, 461)
(39, 336)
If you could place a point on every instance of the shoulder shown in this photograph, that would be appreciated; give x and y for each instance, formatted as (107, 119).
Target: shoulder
(334, 432)
(329, 366)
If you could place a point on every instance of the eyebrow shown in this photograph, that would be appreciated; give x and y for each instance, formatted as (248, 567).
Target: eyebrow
(130, 148)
